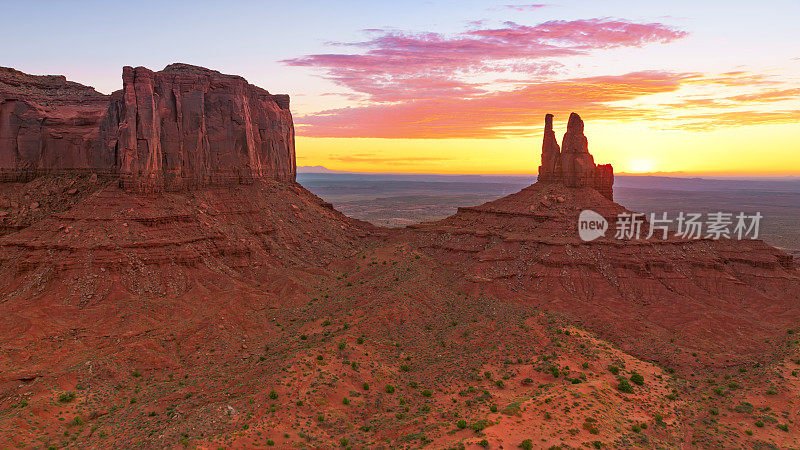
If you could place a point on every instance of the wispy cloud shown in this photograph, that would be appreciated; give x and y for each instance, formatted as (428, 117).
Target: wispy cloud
(495, 114)
(525, 7)
(398, 66)
(495, 82)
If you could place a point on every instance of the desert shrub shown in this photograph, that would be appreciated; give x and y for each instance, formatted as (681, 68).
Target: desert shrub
(389, 389)
(614, 370)
(321, 418)
(713, 411)
(405, 367)
(637, 378)
(591, 426)
(484, 443)
(527, 444)
(771, 392)
(66, 397)
(136, 374)
(343, 442)
(342, 344)
(500, 384)
(365, 386)
(585, 365)
(270, 442)
(360, 340)
(625, 386)
(493, 408)
(345, 401)
(513, 409)
(78, 421)
(426, 393)
(759, 424)
(480, 425)
(303, 337)
(783, 427)
(272, 394)
(636, 428)
(461, 424)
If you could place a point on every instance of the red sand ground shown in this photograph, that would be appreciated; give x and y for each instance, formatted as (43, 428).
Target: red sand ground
(258, 317)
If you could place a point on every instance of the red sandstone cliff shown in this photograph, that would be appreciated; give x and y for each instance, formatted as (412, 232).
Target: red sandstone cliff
(572, 164)
(182, 127)
(47, 125)
(188, 126)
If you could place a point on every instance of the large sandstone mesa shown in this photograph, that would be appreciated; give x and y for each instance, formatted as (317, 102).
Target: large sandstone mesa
(187, 126)
(182, 127)
(47, 125)
(572, 164)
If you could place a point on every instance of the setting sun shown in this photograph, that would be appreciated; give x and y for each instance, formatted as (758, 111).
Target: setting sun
(641, 166)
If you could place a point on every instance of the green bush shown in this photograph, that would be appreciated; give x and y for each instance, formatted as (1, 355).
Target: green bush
(66, 397)
(272, 394)
(614, 370)
(493, 408)
(389, 389)
(345, 401)
(365, 386)
(484, 443)
(527, 444)
(637, 378)
(625, 386)
(783, 427)
(461, 424)
(759, 424)
(426, 393)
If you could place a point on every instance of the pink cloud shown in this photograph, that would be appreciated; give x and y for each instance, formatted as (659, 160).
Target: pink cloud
(525, 7)
(396, 65)
(495, 114)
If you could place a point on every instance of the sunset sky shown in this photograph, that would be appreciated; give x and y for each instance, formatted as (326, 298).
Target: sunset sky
(698, 87)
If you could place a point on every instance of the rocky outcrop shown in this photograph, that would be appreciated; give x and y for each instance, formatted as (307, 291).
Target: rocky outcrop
(187, 126)
(572, 164)
(182, 127)
(47, 125)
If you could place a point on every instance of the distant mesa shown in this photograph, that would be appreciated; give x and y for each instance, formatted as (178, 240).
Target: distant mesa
(572, 164)
(182, 127)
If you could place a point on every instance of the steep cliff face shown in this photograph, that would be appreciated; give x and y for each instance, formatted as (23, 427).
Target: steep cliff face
(182, 127)
(187, 126)
(572, 164)
(48, 125)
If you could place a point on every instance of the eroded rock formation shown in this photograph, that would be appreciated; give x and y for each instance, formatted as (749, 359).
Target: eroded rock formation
(47, 125)
(182, 127)
(572, 164)
(188, 126)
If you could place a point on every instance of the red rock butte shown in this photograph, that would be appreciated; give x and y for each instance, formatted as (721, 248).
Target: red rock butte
(572, 164)
(184, 126)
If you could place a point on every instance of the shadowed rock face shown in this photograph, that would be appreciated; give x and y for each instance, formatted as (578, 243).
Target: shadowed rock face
(179, 128)
(47, 125)
(573, 165)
